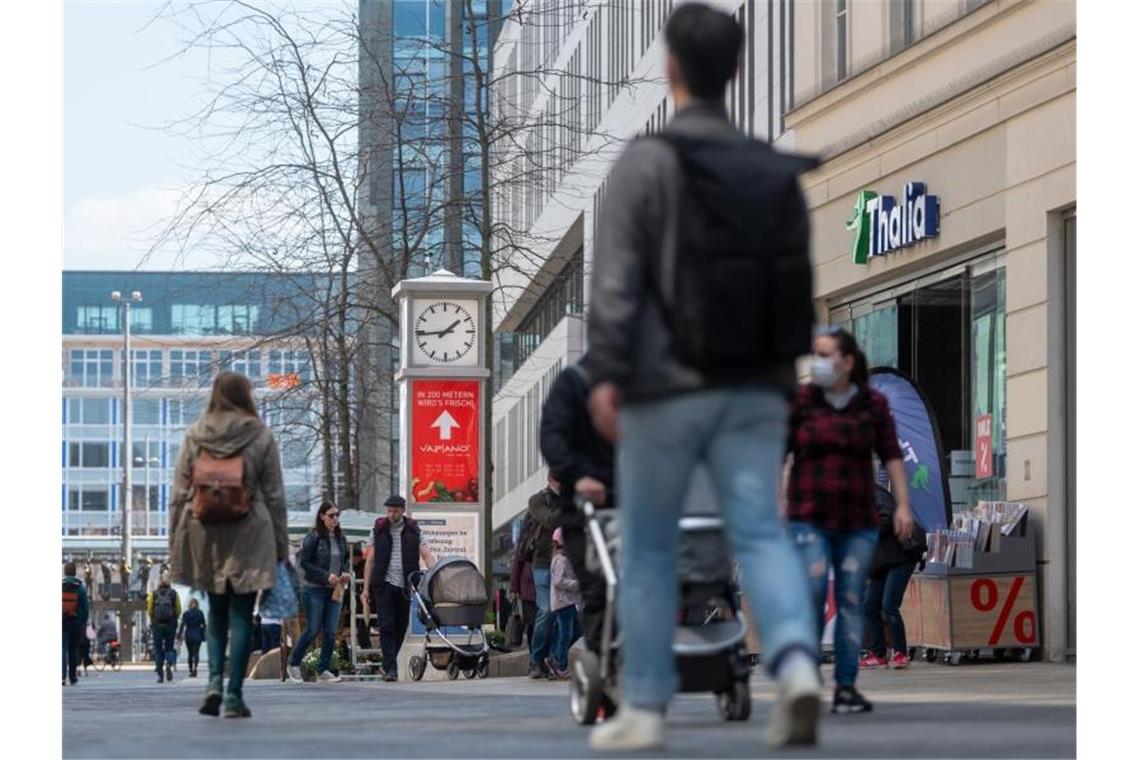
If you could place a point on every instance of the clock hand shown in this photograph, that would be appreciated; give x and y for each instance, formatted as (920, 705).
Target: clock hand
(450, 329)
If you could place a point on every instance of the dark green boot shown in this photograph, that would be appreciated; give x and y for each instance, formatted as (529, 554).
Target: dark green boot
(213, 699)
(235, 708)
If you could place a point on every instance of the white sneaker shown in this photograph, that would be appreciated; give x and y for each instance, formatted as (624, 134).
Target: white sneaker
(294, 673)
(796, 712)
(630, 729)
(328, 677)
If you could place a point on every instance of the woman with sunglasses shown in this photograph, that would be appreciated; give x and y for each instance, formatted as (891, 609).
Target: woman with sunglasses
(837, 422)
(324, 562)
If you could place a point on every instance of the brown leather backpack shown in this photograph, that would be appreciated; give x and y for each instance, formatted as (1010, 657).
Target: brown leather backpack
(218, 488)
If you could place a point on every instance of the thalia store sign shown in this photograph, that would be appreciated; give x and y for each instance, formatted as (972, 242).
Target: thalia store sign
(882, 224)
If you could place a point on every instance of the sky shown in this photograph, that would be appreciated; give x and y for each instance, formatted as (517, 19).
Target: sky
(122, 172)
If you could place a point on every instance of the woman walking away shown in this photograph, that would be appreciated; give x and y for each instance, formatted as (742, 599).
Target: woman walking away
(324, 561)
(228, 527)
(890, 572)
(837, 422)
(565, 597)
(192, 630)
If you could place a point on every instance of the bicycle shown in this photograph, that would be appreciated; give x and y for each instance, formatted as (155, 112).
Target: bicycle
(108, 656)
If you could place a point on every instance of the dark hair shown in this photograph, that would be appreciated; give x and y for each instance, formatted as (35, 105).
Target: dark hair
(847, 345)
(320, 526)
(69, 568)
(706, 44)
(232, 393)
(396, 501)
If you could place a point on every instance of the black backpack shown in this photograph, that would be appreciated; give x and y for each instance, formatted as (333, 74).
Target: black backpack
(737, 296)
(164, 605)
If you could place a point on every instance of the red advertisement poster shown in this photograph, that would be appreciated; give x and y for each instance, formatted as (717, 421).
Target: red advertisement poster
(983, 446)
(445, 440)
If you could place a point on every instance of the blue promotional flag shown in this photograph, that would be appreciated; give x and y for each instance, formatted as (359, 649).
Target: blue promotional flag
(921, 447)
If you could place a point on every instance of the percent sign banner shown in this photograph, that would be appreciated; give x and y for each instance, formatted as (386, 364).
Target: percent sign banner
(1000, 610)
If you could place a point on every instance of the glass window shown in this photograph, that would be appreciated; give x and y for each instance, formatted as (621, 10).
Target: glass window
(146, 410)
(295, 453)
(841, 39)
(141, 452)
(142, 319)
(987, 297)
(95, 454)
(193, 319)
(91, 368)
(237, 319)
(97, 319)
(73, 495)
(96, 411)
(94, 501)
(146, 368)
(190, 368)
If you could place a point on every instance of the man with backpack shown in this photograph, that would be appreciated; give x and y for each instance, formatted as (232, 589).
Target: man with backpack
(541, 509)
(76, 609)
(701, 301)
(164, 609)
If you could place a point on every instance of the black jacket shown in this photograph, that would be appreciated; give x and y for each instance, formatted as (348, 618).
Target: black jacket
(889, 551)
(630, 341)
(315, 557)
(570, 444)
(410, 541)
(543, 508)
(193, 626)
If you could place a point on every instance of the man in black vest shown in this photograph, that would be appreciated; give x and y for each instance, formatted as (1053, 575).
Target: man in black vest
(397, 548)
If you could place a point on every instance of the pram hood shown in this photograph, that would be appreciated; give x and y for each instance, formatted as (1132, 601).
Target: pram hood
(453, 580)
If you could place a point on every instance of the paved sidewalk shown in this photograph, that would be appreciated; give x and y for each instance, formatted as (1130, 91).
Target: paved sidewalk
(929, 711)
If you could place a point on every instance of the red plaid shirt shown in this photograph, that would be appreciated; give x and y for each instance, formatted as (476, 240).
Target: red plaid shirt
(832, 483)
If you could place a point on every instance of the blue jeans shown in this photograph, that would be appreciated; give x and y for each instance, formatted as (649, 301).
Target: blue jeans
(884, 597)
(231, 620)
(322, 615)
(738, 433)
(567, 631)
(73, 631)
(543, 618)
(849, 554)
(163, 644)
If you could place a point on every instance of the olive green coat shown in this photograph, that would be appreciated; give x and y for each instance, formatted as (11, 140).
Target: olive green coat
(245, 552)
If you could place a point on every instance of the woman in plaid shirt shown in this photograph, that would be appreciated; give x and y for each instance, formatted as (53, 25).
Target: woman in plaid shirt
(837, 422)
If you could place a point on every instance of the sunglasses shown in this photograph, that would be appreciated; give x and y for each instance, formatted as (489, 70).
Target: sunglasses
(332, 514)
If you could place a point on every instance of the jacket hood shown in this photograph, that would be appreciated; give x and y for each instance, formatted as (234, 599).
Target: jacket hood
(224, 434)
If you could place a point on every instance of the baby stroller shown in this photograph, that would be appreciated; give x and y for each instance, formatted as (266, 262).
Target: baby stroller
(708, 641)
(451, 594)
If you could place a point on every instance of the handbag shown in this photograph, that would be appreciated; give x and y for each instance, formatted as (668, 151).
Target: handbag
(283, 601)
(514, 632)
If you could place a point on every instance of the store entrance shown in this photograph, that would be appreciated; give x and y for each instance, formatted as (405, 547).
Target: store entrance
(947, 332)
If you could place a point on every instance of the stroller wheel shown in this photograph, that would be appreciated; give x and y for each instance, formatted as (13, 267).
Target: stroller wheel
(736, 703)
(585, 689)
(452, 670)
(469, 673)
(417, 665)
(483, 669)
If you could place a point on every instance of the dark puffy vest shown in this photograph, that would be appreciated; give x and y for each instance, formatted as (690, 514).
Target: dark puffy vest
(382, 549)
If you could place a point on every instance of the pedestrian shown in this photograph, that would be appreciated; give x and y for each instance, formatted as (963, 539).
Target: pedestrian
(837, 423)
(700, 304)
(397, 549)
(233, 554)
(85, 646)
(542, 510)
(107, 633)
(324, 561)
(164, 608)
(892, 565)
(192, 630)
(521, 589)
(581, 462)
(270, 634)
(76, 609)
(565, 599)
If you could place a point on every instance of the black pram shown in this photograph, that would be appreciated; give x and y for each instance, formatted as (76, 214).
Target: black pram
(453, 593)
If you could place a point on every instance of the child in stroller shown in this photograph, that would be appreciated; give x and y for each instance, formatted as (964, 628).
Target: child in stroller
(708, 641)
(451, 595)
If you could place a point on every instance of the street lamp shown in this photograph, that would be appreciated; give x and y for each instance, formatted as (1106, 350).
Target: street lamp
(135, 297)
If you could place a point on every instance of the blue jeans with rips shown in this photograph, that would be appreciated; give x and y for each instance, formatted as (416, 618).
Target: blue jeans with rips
(543, 638)
(738, 434)
(849, 554)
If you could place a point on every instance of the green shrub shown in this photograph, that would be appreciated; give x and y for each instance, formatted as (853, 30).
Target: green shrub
(313, 656)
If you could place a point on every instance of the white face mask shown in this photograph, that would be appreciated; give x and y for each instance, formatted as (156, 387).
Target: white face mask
(823, 372)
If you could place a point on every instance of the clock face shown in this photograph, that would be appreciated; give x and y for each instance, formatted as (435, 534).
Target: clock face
(444, 332)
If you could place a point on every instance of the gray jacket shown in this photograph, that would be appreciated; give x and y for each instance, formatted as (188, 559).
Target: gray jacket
(630, 342)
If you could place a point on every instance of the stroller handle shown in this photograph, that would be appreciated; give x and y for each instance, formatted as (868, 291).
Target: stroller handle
(414, 579)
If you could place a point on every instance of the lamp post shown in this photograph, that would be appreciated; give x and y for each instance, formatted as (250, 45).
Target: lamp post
(128, 453)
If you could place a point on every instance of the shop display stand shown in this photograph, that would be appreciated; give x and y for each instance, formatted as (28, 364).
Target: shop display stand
(989, 606)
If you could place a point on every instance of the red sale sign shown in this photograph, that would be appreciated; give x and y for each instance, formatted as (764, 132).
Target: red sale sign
(983, 447)
(445, 440)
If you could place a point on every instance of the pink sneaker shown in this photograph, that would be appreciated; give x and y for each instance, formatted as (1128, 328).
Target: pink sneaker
(870, 660)
(899, 660)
